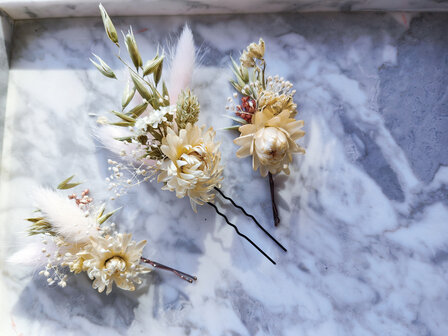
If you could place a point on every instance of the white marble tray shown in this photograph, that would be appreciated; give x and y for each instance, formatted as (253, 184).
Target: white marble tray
(364, 213)
(32, 9)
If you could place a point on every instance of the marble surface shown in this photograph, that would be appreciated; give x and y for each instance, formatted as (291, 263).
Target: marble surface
(32, 9)
(364, 212)
(6, 28)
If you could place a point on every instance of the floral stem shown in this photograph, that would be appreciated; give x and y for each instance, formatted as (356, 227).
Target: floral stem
(240, 234)
(182, 275)
(274, 205)
(250, 216)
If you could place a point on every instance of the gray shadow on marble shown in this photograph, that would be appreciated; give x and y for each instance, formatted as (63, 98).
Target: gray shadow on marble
(366, 152)
(413, 96)
(78, 299)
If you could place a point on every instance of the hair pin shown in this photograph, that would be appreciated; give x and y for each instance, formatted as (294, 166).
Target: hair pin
(265, 115)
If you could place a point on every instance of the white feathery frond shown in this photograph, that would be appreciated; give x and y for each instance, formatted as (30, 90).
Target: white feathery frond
(67, 219)
(32, 255)
(182, 65)
(107, 134)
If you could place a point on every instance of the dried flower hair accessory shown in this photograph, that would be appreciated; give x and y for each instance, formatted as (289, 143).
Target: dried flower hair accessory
(76, 238)
(265, 116)
(159, 137)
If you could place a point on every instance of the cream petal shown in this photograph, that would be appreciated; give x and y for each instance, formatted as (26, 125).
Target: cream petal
(247, 129)
(126, 238)
(263, 171)
(240, 141)
(255, 162)
(244, 151)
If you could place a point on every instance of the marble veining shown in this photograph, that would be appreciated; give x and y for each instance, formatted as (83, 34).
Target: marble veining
(363, 213)
(32, 9)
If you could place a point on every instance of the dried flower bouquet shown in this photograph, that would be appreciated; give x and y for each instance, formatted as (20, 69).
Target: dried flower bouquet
(76, 237)
(266, 117)
(159, 137)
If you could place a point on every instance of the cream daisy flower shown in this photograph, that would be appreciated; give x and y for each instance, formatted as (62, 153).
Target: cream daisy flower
(270, 139)
(192, 166)
(113, 259)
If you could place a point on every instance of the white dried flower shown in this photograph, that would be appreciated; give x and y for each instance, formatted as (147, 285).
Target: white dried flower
(193, 164)
(113, 259)
(270, 139)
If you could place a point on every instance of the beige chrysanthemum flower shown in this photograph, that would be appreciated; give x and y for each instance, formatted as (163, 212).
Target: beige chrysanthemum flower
(113, 259)
(270, 139)
(193, 164)
(275, 102)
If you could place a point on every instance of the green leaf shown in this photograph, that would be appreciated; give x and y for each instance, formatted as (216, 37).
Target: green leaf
(155, 153)
(244, 74)
(66, 185)
(103, 67)
(235, 66)
(35, 219)
(40, 227)
(105, 217)
(121, 124)
(108, 25)
(128, 94)
(165, 93)
(238, 120)
(124, 117)
(143, 139)
(138, 110)
(140, 85)
(236, 86)
(155, 134)
(101, 211)
(131, 45)
(125, 139)
(231, 128)
(158, 72)
(71, 185)
(153, 65)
